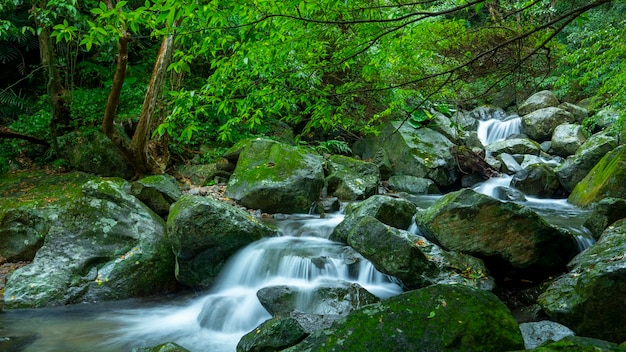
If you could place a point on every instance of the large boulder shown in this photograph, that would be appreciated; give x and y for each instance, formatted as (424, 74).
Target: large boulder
(351, 179)
(204, 233)
(164, 347)
(22, 232)
(591, 298)
(158, 192)
(566, 140)
(105, 245)
(606, 179)
(435, 318)
(274, 334)
(577, 166)
(413, 259)
(412, 185)
(507, 235)
(514, 146)
(604, 213)
(539, 100)
(578, 344)
(419, 152)
(396, 212)
(537, 180)
(93, 152)
(276, 178)
(539, 125)
(578, 112)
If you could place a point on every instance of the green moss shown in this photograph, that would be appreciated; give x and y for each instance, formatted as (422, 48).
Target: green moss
(606, 179)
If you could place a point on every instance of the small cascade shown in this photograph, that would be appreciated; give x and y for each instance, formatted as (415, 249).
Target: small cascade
(303, 258)
(496, 130)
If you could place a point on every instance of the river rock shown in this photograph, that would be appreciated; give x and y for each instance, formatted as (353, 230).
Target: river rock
(442, 124)
(509, 164)
(272, 335)
(419, 152)
(537, 180)
(577, 166)
(502, 233)
(514, 146)
(276, 178)
(591, 298)
(396, 212)
(413, 185)
(200, 175)
(536, 333)
(164, 347)
(94, 153)
(566, 140)
(578, 344)
(158, 192)
(435, 318)
(413, 259)
(605, 212)
(106, 245)
(337, 300)
(606, 179)
(351, 179)
(22, 232)
(578, 112)
(540, 124)
(484, 113)
(539, 100)
(204, 233)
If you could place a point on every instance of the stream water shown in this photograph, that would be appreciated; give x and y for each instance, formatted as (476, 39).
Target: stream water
(215, 320)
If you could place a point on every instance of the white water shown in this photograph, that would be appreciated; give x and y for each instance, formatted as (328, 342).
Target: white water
(303, 258)
(494, 130)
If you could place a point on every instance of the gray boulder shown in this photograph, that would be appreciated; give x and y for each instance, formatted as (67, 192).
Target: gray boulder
(22, 232)
(604, 213)
(351, 179)
(536, 333)
(414, 259)
(484, 113)
(514, 146)
(509, 164)
(158, 192)
(537, 180)
(272, 335)
(578, 344)
(106, 245)
(442, 124)
(413, 185)
(435, 318)
(579, 113)
(164, 347)
(396, 212)
(204, 233)
(591, 298)
(276, 178)
(577, 166)
(539, 100)
(566, 140)
(540, 124)
(507, 234)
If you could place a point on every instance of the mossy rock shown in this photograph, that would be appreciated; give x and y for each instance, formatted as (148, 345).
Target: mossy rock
(165, 347)
(606, 179)
(158, 192)
(578, 344)
(273, 335)
(435, 318)
(351, 179)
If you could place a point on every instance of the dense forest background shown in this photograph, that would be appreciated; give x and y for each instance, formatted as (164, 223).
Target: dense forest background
(174, 81)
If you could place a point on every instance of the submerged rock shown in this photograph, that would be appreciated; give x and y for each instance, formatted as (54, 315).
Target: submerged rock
(591, 298)
(435, 318)
(204, 233)
(351, 179)
(606, 179)
(105, 245)
(276, 178)
(498, 232)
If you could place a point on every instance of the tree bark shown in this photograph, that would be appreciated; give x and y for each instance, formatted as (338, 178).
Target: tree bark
(6, 132)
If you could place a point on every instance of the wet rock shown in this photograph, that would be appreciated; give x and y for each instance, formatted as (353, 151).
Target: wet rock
(484, 113)
(577, 166)
(435, 318)
(165, 347)
(578, 344)
(578, 112)
(336, 299)
(105, 245)
(22, 231)
(604, 213)
(413, 259)
(540, 124)
(509, 164)
(536, 333)
(396, 212)
(276, 178)
(273, 335)
(566, 140)
(351, 179)
(606, 179)
(539, 100)
(204, 233)
(537, 180)
(158, 192)
(591, 298)
(504, 234)
(199, 175)
(442, 124)
(514, 146)
(413, 185)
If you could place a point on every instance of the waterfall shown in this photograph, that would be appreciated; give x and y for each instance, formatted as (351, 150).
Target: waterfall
(303, 258)
(494, 130)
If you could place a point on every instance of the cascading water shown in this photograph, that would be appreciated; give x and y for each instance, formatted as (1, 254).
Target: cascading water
(494, 130)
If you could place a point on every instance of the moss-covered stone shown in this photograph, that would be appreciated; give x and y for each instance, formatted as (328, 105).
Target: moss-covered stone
(273, 335)
(606, 179)
(204, 233)
(165, 347)
(514, 146)
(158, 192)
(351, 179)
(540, 124)
(276, 178)
(435, 318)
(578, 344)
(537, 180)
(605, 212)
